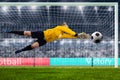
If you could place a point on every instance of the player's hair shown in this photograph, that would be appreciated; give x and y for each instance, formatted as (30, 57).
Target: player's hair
(62, 24)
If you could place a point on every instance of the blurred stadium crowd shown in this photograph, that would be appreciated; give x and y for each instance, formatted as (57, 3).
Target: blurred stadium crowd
(80, 19)
(61, 48)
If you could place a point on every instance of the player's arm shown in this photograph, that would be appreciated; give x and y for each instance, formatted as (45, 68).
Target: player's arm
(66, 30)
(67, 36)
(80, 36)
(71, 34)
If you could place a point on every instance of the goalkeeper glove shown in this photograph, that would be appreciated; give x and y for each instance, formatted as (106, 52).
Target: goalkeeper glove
(83, 35)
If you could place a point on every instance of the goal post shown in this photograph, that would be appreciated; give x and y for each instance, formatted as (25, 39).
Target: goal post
(111, 33)
(116, 35)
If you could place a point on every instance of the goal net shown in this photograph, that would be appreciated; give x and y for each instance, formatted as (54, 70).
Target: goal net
(81, 17)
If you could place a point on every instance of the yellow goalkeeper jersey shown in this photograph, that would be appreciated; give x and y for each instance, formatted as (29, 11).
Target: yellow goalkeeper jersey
(58, 32)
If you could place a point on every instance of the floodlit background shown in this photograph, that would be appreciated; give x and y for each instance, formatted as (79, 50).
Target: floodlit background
(79, 18)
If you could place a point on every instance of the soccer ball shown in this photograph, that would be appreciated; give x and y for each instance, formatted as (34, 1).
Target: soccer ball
(96, 37)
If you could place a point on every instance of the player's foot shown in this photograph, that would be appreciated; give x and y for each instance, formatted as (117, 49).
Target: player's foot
(18, 51)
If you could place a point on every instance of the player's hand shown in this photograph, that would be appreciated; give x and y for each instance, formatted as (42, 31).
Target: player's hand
(65, 24)
(83, 35)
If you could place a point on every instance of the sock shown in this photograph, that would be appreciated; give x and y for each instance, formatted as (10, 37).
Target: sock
(17, 32)
(24, 49)
(27, 48)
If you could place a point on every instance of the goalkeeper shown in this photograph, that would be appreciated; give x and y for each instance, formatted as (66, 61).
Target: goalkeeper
(49, 35)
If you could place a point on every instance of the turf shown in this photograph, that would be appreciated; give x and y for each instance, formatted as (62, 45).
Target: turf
(59, 73)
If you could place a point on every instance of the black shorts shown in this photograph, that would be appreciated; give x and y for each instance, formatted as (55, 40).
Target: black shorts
(40, 37)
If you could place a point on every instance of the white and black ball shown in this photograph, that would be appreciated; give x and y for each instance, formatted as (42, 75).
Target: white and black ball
(96, 37)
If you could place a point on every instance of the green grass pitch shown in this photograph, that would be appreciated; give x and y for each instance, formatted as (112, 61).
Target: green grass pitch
(59, 73)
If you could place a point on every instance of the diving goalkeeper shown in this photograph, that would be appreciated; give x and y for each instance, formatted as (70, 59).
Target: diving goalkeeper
(49, 35)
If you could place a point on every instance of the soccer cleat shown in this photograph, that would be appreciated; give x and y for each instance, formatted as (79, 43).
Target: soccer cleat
(18, 51)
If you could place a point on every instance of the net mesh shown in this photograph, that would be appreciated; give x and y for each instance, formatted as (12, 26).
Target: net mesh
(79, 18)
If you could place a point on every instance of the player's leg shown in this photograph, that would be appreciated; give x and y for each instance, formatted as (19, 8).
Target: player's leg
(29, 47)
(37, 34)
(26, 33)
(36, 44)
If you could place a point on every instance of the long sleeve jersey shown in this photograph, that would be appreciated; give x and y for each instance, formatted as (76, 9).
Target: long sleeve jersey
(58, 32)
